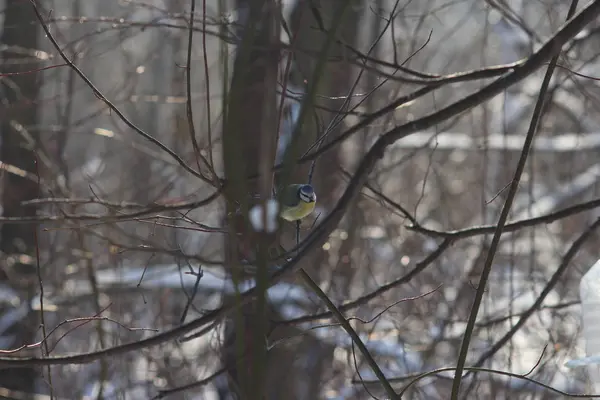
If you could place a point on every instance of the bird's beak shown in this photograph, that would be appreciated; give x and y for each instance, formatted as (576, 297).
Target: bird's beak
(313, 198)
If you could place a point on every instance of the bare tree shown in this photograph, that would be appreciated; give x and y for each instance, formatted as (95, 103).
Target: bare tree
(453, 150)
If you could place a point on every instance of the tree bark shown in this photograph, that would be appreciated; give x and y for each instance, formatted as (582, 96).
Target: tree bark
(249, 138)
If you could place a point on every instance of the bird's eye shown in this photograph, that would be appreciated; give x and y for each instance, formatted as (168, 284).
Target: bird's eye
(304, 197)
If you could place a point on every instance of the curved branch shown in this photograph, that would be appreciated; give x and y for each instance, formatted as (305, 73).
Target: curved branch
(513, 76)
(510, 227)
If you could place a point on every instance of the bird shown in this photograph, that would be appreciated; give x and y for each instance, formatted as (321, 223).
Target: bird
(297, 201)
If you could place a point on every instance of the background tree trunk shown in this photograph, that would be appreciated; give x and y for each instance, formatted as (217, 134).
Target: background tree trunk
(18, 111)
(337, 81)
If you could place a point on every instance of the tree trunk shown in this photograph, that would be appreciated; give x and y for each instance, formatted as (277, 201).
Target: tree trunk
(19, 110)
(249, 138)
(296, 369)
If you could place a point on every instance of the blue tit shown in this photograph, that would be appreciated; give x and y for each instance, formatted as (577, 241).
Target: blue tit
(297, 201)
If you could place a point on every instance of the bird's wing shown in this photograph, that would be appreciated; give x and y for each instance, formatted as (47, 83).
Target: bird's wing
(290, 197)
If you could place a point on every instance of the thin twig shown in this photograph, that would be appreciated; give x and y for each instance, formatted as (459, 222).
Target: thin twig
(191, 298)
(504, 373)
(188, 88)
(194, 385)
(112, 217)
(41, 286)
(207, 85)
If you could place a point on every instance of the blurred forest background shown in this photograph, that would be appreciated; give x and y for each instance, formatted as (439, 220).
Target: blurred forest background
(132, 135)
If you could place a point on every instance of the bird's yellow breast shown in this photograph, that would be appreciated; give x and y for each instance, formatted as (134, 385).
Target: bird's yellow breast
(298, 212)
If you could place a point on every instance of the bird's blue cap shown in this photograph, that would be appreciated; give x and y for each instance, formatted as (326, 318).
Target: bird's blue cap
(308, 189)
